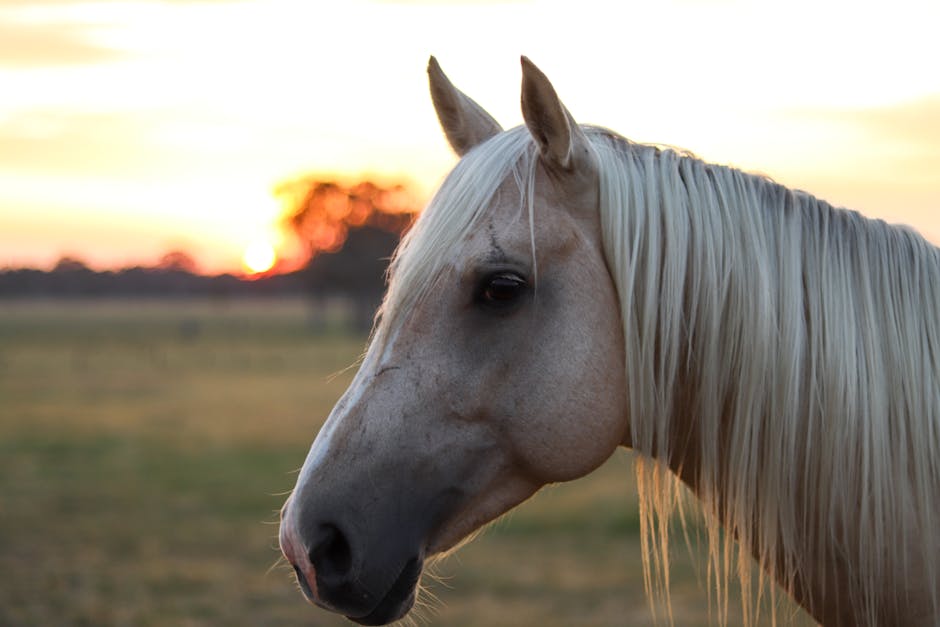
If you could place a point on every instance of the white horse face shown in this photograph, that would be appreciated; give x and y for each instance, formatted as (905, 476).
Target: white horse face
(508, 377)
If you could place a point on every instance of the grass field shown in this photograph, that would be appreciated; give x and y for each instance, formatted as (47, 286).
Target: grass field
(145, 449)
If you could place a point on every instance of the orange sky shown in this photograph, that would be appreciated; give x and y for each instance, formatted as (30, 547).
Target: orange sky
(130, 128)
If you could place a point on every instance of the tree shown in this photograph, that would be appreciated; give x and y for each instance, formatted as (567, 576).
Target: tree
(350, 232)
(178, 260)
(68, 263)
(321, 213)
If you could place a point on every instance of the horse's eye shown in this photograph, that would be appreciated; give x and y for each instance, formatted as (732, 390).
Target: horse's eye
(501, 288)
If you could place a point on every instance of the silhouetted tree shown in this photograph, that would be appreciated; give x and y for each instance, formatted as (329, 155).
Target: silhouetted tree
(67, 263)
(356, 271)
(350, 232)
(178, 260)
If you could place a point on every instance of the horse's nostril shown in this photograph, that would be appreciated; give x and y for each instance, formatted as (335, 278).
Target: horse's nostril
(331, 554)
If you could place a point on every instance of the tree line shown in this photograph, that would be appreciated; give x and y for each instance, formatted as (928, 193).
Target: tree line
(349, 232)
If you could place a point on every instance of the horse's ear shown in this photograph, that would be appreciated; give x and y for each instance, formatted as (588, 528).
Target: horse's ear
(465, 123)
(560, 139)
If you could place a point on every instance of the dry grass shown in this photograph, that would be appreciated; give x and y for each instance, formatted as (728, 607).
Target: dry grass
(144, 447)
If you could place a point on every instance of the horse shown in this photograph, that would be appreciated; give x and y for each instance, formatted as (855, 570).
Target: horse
(568, 292)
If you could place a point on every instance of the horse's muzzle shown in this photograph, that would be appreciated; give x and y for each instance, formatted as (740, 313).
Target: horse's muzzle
(330, 578)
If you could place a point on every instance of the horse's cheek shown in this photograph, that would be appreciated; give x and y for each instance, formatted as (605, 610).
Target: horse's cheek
(589, 439)
(568, 431)
(576, 399)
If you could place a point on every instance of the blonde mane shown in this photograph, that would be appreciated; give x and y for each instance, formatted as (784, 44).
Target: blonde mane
(806, 337)
(809, 337)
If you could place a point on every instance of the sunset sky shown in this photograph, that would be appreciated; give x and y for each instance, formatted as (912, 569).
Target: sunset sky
(131, 128)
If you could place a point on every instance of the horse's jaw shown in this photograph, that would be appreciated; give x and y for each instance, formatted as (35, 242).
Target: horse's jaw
(478, 512)
(399, 599)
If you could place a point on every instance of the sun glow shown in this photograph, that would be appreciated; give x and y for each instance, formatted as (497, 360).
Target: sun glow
(259, 256)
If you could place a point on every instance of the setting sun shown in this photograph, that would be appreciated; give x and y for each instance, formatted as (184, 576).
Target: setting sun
(259, 256)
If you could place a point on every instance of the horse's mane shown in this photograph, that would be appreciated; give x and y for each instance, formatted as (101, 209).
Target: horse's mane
(806, 337)
(810, 339)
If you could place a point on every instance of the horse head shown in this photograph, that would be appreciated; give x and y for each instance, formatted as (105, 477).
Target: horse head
(496, 367)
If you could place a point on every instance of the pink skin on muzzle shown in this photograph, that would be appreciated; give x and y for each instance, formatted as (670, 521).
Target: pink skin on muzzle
(294, 552)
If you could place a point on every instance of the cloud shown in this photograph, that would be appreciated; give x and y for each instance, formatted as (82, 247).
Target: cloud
(907, 135)
(880, 160)
(54, 142)
(914, 124)
(48, 33)
(44, 45)
(116, 144)
(897, 143)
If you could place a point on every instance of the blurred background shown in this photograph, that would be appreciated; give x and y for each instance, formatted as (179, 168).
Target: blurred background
(197, 199)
